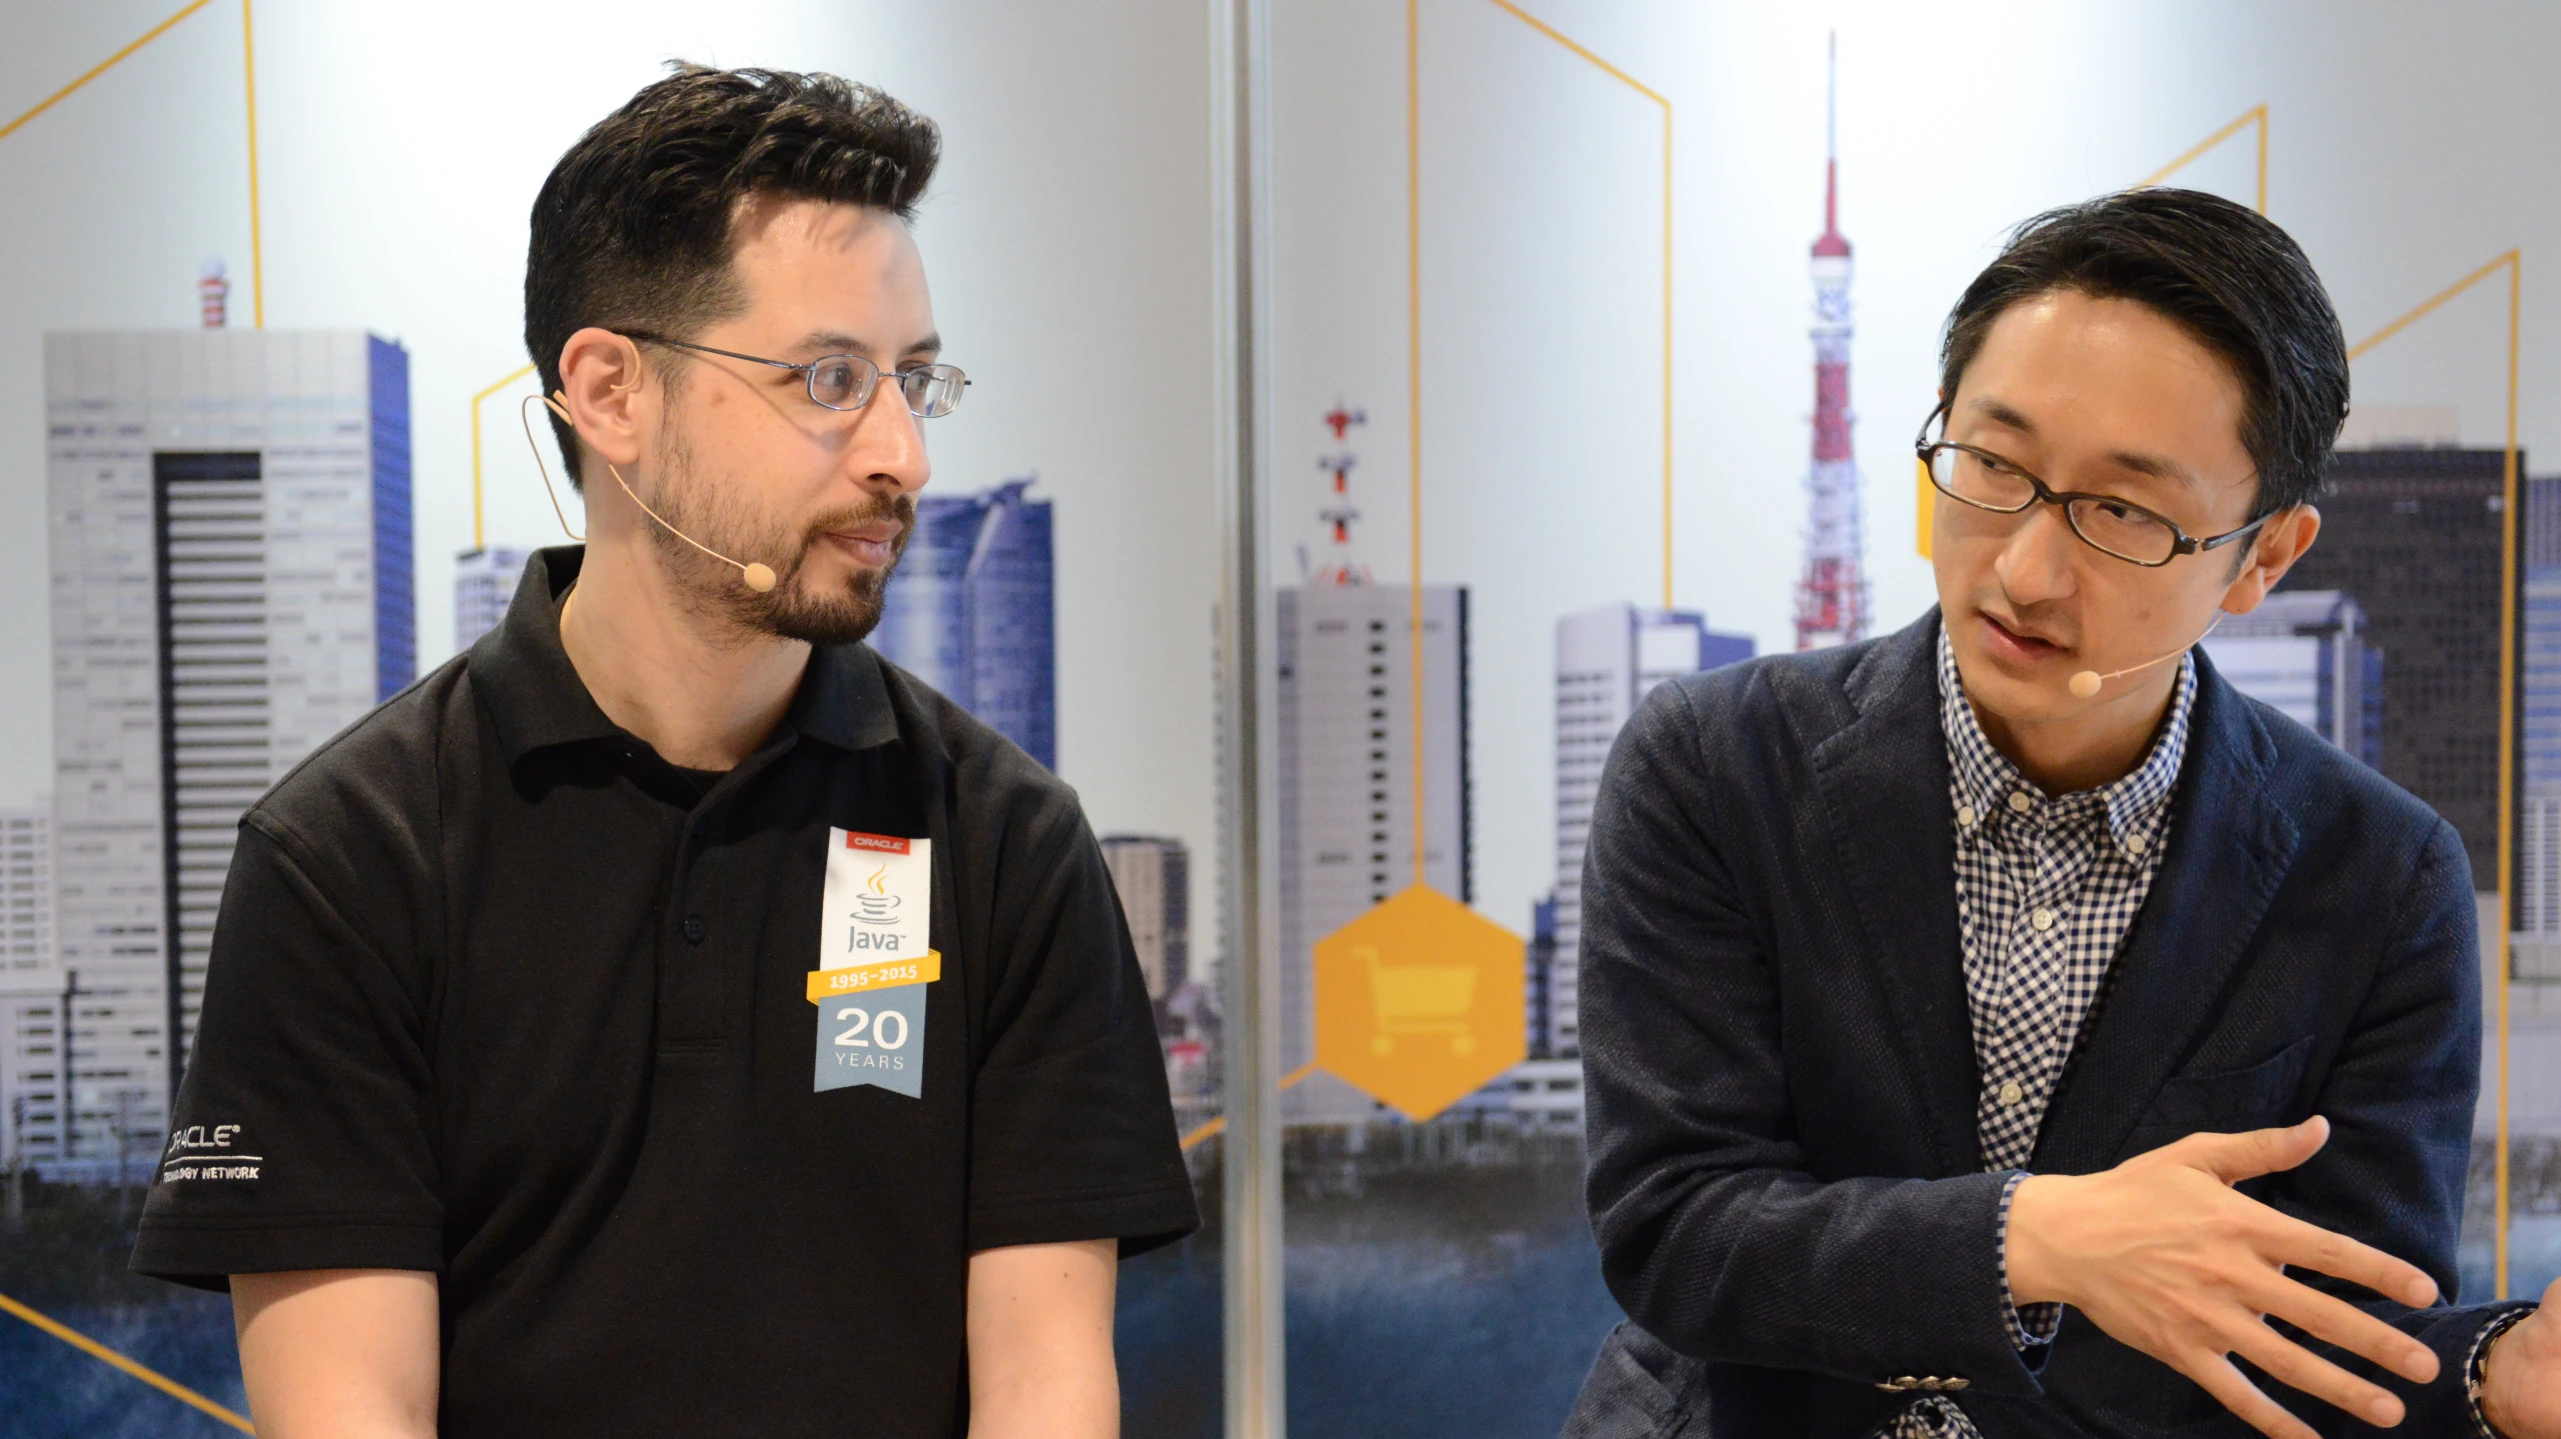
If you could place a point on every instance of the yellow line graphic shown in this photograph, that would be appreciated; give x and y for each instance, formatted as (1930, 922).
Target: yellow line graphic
(1414, 338)
(2255, 115)
(2514, 263)
(96, 1350)
(101, 68)
(249, 73)
(1212, 1128)
(479, 535)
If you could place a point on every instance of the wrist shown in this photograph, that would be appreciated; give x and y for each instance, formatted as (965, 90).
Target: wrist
(2029, 1249)
(2499, 1386)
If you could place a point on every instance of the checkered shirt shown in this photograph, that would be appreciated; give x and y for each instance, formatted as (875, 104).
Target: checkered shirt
(2046, 888)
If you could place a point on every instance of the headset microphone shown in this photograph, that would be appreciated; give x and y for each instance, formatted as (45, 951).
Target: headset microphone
(2086, 684)
(757, 575)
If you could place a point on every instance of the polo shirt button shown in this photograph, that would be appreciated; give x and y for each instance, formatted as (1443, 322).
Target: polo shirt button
(2020, 802)
(695, 929)
(2011, 1094)
(2042, 919)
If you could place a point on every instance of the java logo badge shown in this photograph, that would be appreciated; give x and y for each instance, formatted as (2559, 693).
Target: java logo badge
(874, 962)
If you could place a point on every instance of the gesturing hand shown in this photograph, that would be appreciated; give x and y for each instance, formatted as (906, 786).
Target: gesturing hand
(2163, 1254)
(2521, 1393)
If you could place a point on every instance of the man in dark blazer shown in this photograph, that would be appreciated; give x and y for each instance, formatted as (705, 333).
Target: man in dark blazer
(2006, 1027)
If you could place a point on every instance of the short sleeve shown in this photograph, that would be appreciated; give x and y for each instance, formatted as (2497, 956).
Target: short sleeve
(302, 1132)
(1072, 1131)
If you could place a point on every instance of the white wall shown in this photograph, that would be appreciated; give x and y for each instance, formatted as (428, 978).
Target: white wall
(400, 146)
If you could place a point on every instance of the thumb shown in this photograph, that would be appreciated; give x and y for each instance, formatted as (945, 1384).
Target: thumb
(2235, 1157)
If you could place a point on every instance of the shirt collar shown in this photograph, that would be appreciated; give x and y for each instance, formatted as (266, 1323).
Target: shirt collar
(536, 700)
(2134, 805)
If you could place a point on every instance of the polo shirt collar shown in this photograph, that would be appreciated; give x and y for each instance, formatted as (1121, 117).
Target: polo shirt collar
(536, 700)
(2134, 806)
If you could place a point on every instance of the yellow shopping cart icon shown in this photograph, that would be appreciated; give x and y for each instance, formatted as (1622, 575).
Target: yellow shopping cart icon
(1416, 999)
(1420, 1001)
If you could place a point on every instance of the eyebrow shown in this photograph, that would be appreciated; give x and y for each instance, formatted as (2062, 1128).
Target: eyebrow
(837, 342)
(2134, 461)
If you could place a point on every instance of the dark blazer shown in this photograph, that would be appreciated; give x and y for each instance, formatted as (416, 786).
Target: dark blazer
(1785, 1177)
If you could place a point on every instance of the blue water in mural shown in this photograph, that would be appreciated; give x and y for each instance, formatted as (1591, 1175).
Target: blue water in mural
(1457, 1303)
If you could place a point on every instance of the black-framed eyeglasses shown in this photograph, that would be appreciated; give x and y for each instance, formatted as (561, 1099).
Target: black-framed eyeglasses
(1974, 476)
(846, 382)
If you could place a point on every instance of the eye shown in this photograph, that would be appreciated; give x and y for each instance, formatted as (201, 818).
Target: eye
(837, 375)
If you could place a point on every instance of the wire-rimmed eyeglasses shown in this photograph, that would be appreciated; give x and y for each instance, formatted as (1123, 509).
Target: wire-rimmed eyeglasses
(846, 382)
(1974, 476)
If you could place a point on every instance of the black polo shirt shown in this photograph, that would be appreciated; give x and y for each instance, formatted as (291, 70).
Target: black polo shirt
(496, 992)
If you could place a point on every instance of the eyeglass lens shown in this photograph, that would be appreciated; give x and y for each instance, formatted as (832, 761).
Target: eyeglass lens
(845, 382)
(2119, 529)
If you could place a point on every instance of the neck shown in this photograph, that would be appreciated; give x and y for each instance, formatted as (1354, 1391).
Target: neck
(701, 691)
(2094, 744)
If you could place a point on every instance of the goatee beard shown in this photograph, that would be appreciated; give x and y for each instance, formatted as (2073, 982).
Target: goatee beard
(841, 616)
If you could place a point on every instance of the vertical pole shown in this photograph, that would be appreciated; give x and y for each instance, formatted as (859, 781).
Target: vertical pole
(1414, 406)
(1250, 1179)
(257, 255)
(2507, 775)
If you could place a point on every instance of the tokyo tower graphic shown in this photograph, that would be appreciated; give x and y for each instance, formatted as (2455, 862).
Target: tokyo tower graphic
(1831, 594)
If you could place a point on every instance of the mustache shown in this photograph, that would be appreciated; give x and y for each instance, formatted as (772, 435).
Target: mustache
(900, 508)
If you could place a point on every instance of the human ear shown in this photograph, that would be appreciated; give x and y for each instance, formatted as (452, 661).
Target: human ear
(2273, 551)
(602, 387)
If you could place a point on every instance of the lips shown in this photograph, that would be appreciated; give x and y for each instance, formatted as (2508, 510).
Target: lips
(2018, 643)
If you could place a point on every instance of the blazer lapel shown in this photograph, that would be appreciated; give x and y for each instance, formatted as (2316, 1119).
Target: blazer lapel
(2228, 854)
(1882, 781)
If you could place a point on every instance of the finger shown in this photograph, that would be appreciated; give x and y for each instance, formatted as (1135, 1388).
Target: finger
(2309, 1246)
(2333, 1320)
(2247, 1155)
(2299, 1368)
(2215, 1375)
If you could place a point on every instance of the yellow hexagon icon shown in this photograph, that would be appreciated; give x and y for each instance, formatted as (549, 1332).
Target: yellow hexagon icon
(1420, 1001)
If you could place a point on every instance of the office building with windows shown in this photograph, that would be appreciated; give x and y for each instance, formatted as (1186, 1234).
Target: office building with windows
(2305, 652)
(972, 611)
(1345, 729)
(229, 515)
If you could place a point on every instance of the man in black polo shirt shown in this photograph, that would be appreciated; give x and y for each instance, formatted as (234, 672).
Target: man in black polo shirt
(668, 1017)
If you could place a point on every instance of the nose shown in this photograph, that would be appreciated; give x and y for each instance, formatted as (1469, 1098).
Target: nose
(887, 452)
(2040, 560)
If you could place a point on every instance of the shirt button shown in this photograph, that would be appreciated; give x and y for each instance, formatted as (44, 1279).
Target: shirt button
(2011, 1094)
(2020, 802)
(695, 929)
(2134, 844)
(1965, 815)
(2043, 919)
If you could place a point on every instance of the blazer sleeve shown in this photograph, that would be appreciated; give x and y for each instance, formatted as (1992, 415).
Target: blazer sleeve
(2400, 1100)
(1713, 1235)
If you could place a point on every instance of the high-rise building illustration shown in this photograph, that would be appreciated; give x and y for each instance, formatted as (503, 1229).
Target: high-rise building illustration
(1348, 742)
(2417, 535)
(2305, 652)
(484, 581)
(1607, 660)
(26, 888)
(1346, 737)
(971, 611)
(31, 992)
(1540, 966)
(231, 585)
(1153, 875)
(1831, 594)
(2536, 943)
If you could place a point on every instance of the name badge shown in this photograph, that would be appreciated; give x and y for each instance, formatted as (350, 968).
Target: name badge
(874, 962)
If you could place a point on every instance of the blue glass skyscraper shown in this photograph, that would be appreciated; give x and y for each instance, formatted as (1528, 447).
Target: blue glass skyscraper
(971, 611)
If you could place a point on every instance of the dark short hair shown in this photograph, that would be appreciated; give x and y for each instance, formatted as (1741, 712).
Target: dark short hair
(634, 229)
(2221, 271)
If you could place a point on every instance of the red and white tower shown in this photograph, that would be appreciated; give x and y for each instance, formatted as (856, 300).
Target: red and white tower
(1831, 594)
